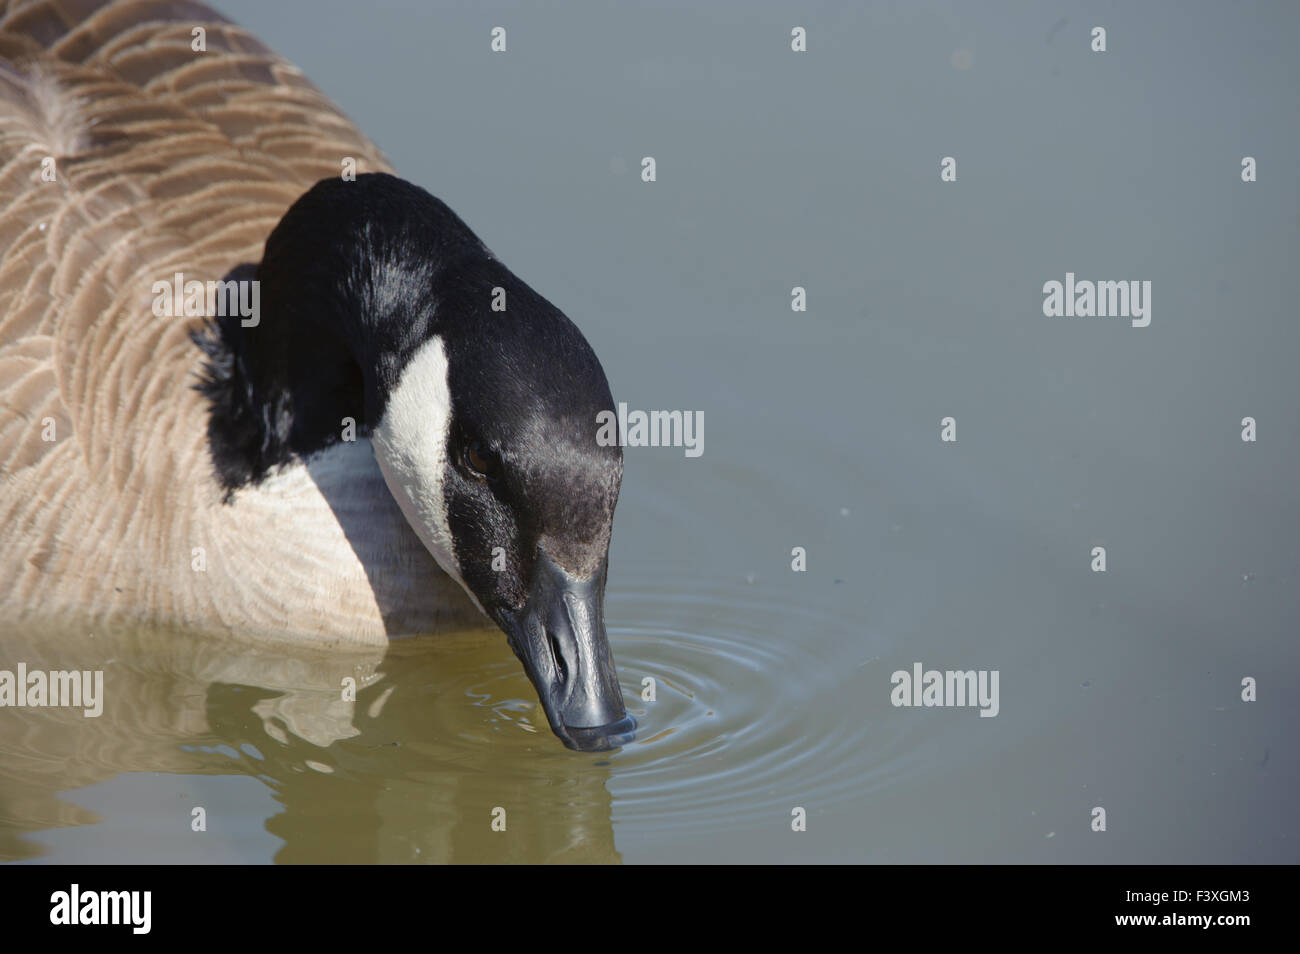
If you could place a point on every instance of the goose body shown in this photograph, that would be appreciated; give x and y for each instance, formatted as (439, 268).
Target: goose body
(200, 473)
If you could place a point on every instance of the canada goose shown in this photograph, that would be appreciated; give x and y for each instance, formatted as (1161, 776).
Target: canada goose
(204, 474)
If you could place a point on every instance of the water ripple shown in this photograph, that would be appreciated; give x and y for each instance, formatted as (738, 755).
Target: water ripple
(748, 721)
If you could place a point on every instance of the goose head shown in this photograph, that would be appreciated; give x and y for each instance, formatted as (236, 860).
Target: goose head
(480, 399)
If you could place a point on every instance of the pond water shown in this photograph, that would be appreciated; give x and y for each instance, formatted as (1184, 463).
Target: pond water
(774, 689)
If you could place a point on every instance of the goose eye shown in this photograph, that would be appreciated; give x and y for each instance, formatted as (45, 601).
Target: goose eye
(480, 460)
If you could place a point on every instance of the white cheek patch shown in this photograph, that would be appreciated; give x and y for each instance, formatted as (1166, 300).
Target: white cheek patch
(410, 445)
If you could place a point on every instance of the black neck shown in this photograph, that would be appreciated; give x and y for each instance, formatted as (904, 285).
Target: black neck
(348, 292)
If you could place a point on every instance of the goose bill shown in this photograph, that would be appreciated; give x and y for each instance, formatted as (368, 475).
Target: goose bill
(559, 636)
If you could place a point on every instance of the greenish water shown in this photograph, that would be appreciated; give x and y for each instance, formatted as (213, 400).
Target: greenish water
(445, 732)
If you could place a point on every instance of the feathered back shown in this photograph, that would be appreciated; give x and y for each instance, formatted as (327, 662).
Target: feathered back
(138, 139)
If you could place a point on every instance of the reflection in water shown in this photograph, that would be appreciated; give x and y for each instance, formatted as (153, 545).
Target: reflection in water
(747, 721)
(442, 732)
(447, 734)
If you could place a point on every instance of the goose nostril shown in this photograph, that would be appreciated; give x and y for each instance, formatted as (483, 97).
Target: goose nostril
(561, 669)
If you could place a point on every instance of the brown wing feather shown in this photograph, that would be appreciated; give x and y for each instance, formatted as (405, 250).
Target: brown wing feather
(167, 159)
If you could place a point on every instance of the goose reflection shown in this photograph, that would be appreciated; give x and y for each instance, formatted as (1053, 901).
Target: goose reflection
(360, 775)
